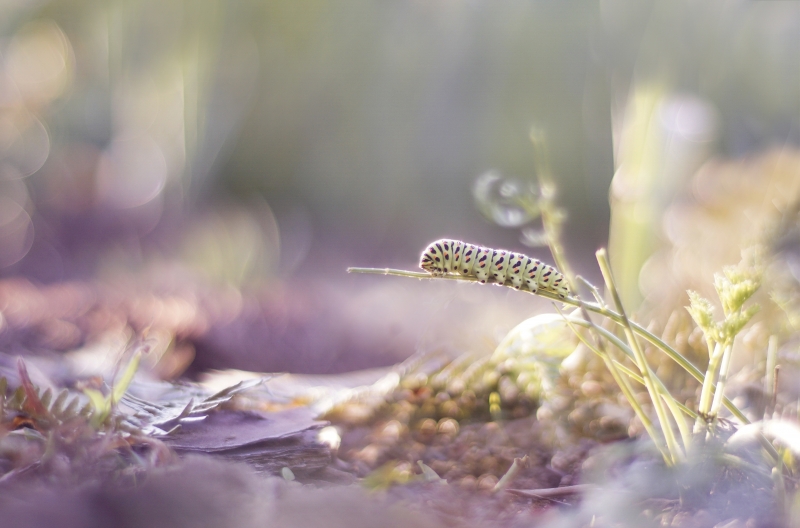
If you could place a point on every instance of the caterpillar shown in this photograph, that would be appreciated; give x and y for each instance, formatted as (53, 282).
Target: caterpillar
(495, 266)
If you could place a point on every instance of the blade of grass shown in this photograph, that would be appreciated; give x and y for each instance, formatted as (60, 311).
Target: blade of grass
(641, 361)
(552, 220)
(623, 385)
(674, 405)
(125, 380)
(709, 381)
(770, 376)
(719, 391)
(634, 376)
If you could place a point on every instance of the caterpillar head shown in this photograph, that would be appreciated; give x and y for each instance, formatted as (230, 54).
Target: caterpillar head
(432, 259)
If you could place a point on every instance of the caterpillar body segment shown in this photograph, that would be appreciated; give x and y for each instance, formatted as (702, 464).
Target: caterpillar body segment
(533, 270)
(499, 268)
(450, 255)
(496, 266)
(516, 268)
(482, 267)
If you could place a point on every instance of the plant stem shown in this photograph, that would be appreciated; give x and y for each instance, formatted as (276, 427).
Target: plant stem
(551, 223)
(641, 361)
(719, 391)
(770, 376)
(707, 392)
(634, 376)
(615, 369)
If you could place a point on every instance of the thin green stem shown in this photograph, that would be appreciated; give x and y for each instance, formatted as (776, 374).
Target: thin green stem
(551, 217)
(634, 376)
(709, 385)
(722, 380)
(551, 222)
(622, 383)
(676, 409)
(592, 288)
(674, 406)
(641, 361)
(770, 375)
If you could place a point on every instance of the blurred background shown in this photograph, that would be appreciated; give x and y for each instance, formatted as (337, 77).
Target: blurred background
(254, 145)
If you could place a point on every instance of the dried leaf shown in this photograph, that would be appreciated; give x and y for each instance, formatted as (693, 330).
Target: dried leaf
(33, 405)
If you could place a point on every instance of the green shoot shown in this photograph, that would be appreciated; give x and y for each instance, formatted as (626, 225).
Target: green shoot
(102, 406)
(734, 288)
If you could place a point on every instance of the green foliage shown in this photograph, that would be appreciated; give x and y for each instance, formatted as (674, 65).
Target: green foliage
(734, 288)
(48, 412)
(702, 311)
(103, 405)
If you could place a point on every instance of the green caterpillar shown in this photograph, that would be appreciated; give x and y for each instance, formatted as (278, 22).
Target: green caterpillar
(495, 266)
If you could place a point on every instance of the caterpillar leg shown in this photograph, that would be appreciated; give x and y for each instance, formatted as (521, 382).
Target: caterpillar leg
(483, 263)
(499, 266)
